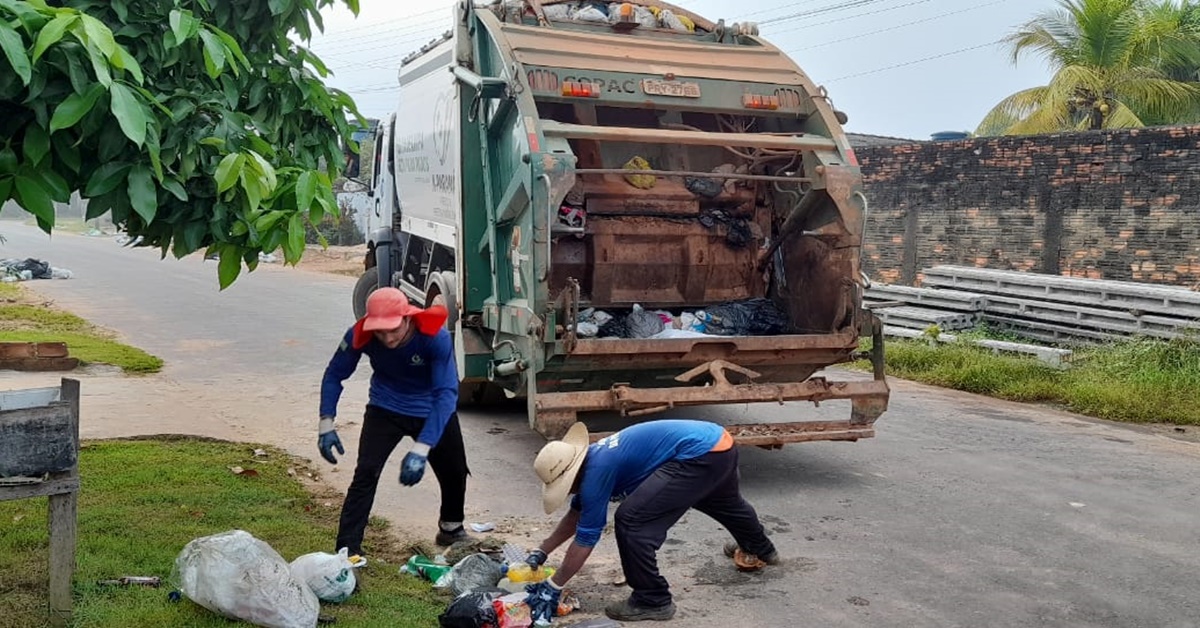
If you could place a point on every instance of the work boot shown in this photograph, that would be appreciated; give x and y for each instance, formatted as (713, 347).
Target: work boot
(446, 538)
(626, 610)
(770, 559)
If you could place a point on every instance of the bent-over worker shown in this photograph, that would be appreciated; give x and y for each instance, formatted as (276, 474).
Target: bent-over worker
(414, 393)
(658, 470)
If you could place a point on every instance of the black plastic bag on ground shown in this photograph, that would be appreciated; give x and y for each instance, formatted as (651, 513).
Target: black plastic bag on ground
(38, 268)
(472, 610)
(750, 317)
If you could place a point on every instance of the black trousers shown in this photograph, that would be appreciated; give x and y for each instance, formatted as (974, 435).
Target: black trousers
(382, 431)
(708, 484)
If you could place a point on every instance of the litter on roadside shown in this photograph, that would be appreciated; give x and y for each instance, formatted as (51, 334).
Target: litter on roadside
(427, 568)
(125, 581)
(490, 593)
(31, 268)
(330, 576)
(241, 577)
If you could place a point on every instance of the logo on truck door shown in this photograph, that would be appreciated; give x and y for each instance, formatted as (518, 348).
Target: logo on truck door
(443, 126)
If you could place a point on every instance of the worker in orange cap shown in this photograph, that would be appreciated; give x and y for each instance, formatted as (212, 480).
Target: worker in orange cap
(414, 392)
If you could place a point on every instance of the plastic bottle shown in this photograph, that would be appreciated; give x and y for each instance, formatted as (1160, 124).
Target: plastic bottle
(524, 573)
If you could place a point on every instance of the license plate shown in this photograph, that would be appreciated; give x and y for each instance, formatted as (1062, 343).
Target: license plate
(655, 87)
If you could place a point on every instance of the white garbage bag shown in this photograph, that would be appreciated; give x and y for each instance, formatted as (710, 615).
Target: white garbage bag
(330, 576)
(668, 19)
(241, 577)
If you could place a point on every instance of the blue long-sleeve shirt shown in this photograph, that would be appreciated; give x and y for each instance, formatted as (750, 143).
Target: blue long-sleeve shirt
(617, 464)
(417, 379)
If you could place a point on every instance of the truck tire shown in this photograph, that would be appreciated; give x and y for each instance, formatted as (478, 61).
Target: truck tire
(367, 283)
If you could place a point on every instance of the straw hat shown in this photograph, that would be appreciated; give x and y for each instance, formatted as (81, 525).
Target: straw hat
(558, 463)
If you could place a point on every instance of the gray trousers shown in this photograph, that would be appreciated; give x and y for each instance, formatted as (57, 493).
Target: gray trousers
(710, 485)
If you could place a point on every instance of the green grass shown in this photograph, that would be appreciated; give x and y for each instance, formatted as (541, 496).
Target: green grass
(21, 321)
(142, 501)
(1139, 380)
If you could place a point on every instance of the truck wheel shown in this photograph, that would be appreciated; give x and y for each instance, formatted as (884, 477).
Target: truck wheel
(482, 394)
(367, 283)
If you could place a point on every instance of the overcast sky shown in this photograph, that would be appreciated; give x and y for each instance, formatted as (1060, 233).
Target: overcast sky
(904, 68)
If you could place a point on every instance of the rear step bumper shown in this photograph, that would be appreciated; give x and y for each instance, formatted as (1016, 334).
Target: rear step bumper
(556, 411)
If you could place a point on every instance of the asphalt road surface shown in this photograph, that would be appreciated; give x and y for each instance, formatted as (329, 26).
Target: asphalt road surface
(962, 511)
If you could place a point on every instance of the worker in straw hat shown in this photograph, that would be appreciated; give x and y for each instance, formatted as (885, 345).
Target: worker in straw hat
(658, 470)
(414, 392)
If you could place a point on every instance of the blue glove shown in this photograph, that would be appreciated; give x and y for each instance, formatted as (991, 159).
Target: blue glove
(536, 559)
(543, 600)
(327, 439)
(412, 468)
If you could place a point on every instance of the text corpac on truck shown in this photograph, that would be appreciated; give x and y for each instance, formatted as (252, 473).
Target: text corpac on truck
(627, 207)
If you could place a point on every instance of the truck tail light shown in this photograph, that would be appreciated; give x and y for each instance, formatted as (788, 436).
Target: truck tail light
(759, 101)
(580, 89)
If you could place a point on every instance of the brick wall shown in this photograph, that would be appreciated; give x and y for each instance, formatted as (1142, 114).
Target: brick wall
(1105, 205)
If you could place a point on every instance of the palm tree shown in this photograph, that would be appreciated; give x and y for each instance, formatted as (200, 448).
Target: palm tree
(1117, 63)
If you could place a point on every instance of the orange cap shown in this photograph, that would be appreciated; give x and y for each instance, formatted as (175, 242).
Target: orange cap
(386, 309)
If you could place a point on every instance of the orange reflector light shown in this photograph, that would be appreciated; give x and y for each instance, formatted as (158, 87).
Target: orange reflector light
(580, 89)
(757, 101)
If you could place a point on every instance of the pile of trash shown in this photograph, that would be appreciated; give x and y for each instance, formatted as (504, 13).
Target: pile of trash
(241, 577)
(749, 317)
(488, 591)
(30, 268)
(596, 11)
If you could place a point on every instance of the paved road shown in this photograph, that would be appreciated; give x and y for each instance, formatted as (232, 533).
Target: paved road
(963, 511)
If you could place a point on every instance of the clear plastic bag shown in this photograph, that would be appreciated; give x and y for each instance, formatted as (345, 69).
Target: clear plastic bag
(239, 576)
(330, 576)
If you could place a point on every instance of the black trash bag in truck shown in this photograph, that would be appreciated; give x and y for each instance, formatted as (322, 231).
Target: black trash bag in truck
(636, 324)
(750, 317)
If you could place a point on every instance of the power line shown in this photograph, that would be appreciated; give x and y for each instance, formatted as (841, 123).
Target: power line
(348, 44)
(847, 17)
(831, 8)
(786, 5)
(899, 26)
(396, 19)
(913, 62)
(337, 46)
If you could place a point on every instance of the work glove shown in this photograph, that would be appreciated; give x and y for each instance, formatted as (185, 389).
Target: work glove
(543, 600)
(327, 440)
(536, 559)
(413, 465)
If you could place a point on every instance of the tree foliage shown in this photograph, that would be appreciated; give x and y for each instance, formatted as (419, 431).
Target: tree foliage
(1117, 63)
(197, 124)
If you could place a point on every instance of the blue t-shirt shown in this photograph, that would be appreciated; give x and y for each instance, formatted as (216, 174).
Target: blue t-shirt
(617, 464)
(417, 379)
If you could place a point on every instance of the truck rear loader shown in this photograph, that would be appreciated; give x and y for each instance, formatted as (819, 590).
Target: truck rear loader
(547, 171)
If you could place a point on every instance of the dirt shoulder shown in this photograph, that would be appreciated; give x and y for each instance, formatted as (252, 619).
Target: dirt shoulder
(336, 260)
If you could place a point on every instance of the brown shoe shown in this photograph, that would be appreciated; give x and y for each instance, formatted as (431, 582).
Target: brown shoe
(626, 610)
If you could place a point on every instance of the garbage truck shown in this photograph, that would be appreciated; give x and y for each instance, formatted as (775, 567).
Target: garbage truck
(629, 208)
